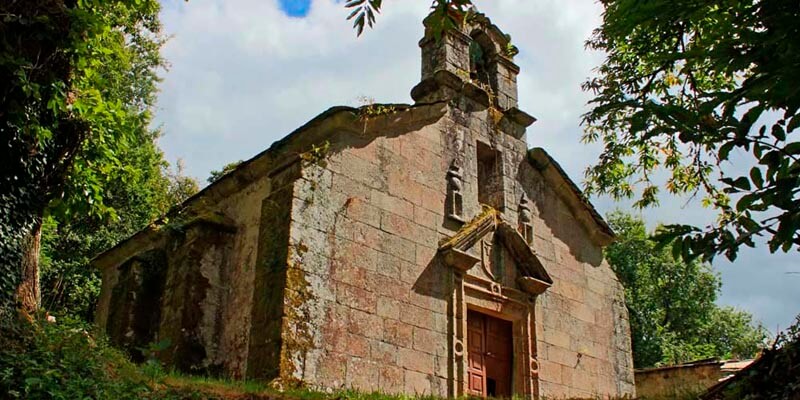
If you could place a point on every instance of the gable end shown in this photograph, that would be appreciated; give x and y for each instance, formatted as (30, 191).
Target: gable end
(597, 228)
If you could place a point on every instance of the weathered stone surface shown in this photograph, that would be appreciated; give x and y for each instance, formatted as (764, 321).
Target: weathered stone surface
(268, 302)
(684, 380)
(325, 267)
(132, 322)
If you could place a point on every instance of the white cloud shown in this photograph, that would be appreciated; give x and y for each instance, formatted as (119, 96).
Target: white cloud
(244, 75)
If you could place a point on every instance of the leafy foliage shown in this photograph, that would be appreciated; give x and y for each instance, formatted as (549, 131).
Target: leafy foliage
(119, 180)
(671, 303)
(79, 77)
(445, 14)
(70, 285)
(35, 70)
(110, 179)
(64, 361)
(121, 76)
(215, 175)
(772, 377)
(363, 13)
(708, 93)
(316, 155)
(181, 186)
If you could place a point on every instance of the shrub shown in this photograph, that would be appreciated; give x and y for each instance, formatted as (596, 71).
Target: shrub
(42, 360)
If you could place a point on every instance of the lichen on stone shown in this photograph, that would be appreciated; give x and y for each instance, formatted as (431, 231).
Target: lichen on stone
(298, 337)
(486, 213)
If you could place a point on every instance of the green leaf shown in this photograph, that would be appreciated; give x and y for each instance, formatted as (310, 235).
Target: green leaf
(741, 183)
(793, 124)
(756, 177)
(363, 13)
(750, 118)
(725, 150)
(632, 113)
(792, 148)
(33, 381)
(778, 132)
(750, 225)
(746, 202)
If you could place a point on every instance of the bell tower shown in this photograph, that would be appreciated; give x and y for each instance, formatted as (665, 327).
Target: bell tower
(471, 67)
(477, 52)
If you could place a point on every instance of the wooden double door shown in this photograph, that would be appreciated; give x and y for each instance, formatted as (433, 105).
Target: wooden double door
(489, 356)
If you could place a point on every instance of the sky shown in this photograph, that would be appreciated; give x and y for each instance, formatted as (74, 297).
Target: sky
(245, 73)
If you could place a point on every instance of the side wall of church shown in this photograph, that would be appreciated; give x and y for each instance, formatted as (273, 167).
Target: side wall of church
(252, 277)
(213, 282)
(245, 209)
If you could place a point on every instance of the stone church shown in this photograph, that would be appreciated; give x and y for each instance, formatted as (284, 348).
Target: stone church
(418, 249)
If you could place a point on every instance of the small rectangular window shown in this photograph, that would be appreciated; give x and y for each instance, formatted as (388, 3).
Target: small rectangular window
(490, 176)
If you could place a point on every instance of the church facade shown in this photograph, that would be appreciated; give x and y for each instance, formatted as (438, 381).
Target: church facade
(418, 249)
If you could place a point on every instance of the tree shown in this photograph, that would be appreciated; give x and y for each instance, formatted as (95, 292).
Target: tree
(63, 117)
(127, 172)
(732, 334)
(215, 175)
(671, 303)
(707, 91)
(70, 285)
(181, 187)
(772, 377)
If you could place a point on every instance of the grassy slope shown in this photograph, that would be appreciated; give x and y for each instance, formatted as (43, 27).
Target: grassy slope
(66, 360)
(250, 390)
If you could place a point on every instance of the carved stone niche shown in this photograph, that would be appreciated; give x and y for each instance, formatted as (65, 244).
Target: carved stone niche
(525, 219)
(455, 197)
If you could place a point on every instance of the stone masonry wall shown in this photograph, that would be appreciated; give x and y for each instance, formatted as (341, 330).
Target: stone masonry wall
(270, 280)
(365, 230)
(582, 327)
(678, 382)
(329, 274)
(331, 277)
(245, 208)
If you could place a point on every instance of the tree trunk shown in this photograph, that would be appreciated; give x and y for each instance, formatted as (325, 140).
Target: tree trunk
(28, 292)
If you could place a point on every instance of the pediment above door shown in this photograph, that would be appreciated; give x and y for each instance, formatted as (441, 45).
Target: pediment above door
(467, 249)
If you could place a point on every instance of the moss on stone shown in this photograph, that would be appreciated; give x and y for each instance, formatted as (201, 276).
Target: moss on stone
(298, 337)
(487, 212)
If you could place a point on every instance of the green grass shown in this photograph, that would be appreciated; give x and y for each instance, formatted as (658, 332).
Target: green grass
(67, 360)
(256, 389)
(231, 389)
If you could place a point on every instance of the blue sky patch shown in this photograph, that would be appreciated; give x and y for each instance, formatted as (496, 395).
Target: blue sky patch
(295, 8)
